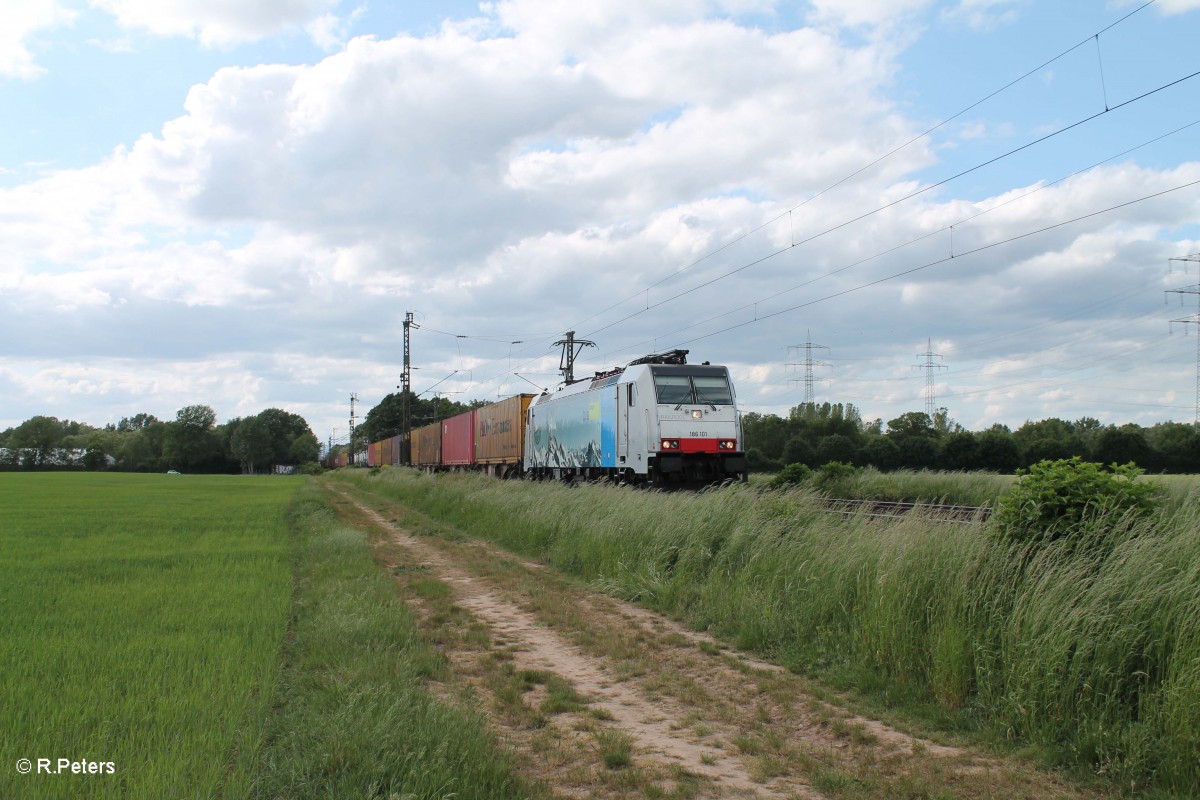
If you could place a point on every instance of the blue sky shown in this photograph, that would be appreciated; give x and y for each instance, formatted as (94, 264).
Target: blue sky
(105, 85)
(236, 206)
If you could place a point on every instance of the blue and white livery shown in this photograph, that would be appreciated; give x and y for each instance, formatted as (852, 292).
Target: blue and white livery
(659, 420)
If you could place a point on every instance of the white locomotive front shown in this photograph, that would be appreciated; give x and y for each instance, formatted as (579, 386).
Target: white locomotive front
(658, 420)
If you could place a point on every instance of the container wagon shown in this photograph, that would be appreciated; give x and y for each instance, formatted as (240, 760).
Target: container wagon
(500, 436)
(458, 440)
(427, 446)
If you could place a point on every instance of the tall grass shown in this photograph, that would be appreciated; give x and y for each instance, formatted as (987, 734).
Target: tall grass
(965, 488)
(354, 717)
(914, 486)
(929, 486)
(1093, 658)
(140, 623)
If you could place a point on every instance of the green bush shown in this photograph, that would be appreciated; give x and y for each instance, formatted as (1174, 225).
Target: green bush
(1052, 498)
(791, 474)
(834, 475)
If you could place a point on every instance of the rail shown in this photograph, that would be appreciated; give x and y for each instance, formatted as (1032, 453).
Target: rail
(888, 509)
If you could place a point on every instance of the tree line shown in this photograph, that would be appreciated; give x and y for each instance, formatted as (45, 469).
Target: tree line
(815, 434)
(192, 442)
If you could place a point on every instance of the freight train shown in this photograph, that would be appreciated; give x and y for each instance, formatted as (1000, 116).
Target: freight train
(657, 421)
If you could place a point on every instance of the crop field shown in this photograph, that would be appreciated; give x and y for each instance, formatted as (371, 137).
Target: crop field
(143, 616)
(180, 636)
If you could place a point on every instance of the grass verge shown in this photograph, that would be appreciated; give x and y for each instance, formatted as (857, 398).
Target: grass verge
(354, 717)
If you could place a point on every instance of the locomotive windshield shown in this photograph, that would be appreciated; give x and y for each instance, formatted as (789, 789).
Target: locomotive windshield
(714, 390)
(692, 386)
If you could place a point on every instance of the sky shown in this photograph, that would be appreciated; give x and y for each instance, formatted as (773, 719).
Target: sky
(236, 203)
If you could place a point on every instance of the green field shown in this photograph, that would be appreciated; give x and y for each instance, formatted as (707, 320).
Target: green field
(1090, 659)
(143, 616)
(214, 637)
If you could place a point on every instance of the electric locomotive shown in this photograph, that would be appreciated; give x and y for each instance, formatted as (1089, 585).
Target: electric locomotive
(658, 420)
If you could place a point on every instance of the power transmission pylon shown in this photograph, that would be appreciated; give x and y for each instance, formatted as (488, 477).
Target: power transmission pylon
(929, 366)
(808, 363)
(570, 349)
(1192, 320)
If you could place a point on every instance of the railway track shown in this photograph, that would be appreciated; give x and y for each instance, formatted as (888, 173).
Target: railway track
(891, 509)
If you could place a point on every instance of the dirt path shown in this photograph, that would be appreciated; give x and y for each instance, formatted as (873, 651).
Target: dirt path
(663, 711)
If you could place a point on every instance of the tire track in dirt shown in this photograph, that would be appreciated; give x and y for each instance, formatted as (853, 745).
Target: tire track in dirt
(648, 721)
(722, 672)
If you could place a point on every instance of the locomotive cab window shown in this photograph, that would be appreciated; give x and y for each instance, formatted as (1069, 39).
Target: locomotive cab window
(673, 389)
(712, 389)
(688, 385)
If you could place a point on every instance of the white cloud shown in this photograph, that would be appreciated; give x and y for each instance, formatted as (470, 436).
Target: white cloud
(216, 23)
(985, 15)
(329, 31)
(870, 13)
(1177, 6)
(23, 19)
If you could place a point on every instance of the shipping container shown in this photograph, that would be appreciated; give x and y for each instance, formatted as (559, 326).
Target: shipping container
(427, 446)
(500, 431)
(458, 440)
(395, 446)
(373, 455)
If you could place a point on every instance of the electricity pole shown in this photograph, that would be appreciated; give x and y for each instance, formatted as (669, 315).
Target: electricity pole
(406, 390)
(570, 349)
(1192, 320)
(350, 457)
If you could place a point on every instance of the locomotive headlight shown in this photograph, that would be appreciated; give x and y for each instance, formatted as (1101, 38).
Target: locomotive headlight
(697, 414)
(670, 444)
(728, 444)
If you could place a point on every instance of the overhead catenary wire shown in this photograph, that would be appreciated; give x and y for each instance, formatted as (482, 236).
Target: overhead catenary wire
(936, 262)
(928, 265)
(892, 204)
(887, 251)
(868, 166)
(847, 178)
(947, 259)
(850, 176)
